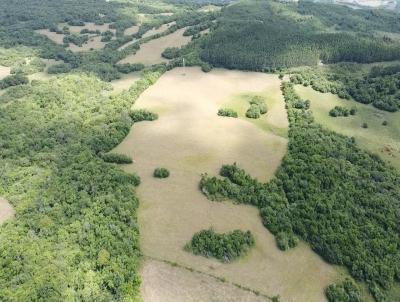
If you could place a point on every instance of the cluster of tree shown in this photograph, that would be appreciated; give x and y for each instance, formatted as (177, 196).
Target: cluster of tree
(227, 112)
(78, 40)
(13, 80)
(75, 226)
(28, 67)
(128, 68)
(106, 36)
(59, 68)
(171, 53)
(264, 35)
(161, 173)
(341, 111)
(257, 107)
(347, 290)
(226, 247)
(140, 115)
(116, 158)
(339, 198)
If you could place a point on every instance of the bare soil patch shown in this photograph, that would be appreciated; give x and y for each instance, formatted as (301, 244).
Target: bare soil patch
(6, 210)
(189, 139)
(150, 52)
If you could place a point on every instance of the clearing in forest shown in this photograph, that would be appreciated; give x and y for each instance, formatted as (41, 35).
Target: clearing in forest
(150, 52)
(6, 210)
(189, 139)
(126, 81)
(158, 30)
(377, 138)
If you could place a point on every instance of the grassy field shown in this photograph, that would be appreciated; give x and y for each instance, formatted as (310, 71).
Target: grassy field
(379, 139)
(6, 210)
(190, 139)
(131, 30)
(150, 52)
(125, 81)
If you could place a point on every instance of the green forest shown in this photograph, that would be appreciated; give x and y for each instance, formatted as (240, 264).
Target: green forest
(268, 35)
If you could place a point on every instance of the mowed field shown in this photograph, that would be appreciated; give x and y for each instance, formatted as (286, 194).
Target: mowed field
(190, 139)
(6, 210)
(150, 52)
(379, 139)
(4, 71)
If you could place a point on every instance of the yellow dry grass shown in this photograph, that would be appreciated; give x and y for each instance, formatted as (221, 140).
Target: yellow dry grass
(189, 139)
(150, 52)
(165, 283)
(131, 30)
(6, 210)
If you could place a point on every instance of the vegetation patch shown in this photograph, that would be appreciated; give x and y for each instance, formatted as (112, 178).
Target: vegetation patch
(13, 80)
(344, 291)
(116, 158)
(225, 247)
(227, 112)
(161, 173)
(140, 115)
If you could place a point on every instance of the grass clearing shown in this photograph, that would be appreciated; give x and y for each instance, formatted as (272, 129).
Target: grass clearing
(6, 210)
(125, 81)
(379, 139)
(158, 30)
(189, 138)
(131, 30)
(150, 52)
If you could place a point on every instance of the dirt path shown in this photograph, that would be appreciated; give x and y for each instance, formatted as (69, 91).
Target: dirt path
(189, 139)
(6, 210)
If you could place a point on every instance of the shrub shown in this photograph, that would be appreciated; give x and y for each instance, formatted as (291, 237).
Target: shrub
(253, 112)
(143, 115)
(13, 80)
(205, 67)
(116, 158)
(127, 68)
(225, 247)
(171, 53)
(339, 111)
(385, 123)
(227, 112)
(345, 291)
(364, 125)
(59, 68)
(161, 173)
(353, 111)
(260, 102)
(286, 241)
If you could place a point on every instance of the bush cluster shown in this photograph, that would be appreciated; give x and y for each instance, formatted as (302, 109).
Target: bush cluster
(13, 80)
(257, 107)
(227, 112)
(225, 247)
(344, 291)
(142, 115)
(116, 158)
(161, 173)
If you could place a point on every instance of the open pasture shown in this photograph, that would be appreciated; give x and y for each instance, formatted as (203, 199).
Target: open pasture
(190, 139)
